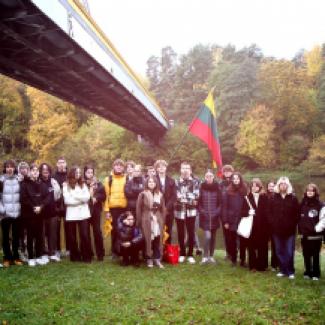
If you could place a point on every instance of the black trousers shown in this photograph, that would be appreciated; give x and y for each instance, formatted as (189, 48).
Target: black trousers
(169, 225)
(231, 244)
(115, 213)
(155, 244)
(81, 251)
(274, 259)
(51, 233)
(243, 248)
(257, 252)
(95, 222)
(130, 254)
(35, 236)
(189, 224)
(22, 230)
(311, 251)
(10, 247)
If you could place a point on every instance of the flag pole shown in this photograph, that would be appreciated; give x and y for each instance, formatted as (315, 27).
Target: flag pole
(183, 138)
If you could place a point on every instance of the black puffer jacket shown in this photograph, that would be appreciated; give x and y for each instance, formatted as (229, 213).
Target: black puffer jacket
(49, 209)
(309, 216)
(232, 204)
(132, 190)
(209, 206)
(283, 215)
(126, 233)
(34, 194)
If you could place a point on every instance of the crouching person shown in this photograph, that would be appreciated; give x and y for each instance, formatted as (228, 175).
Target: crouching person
(151, 220)
(130, 239)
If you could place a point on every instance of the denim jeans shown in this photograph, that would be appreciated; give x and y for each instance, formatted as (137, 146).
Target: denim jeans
(285, 251)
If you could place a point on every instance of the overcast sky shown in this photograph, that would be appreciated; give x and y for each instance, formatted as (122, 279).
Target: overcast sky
(141, 28)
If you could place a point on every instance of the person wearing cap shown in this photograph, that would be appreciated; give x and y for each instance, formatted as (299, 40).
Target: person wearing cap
(283, 219)
(168, 188)
(116, 202)
(10, 210)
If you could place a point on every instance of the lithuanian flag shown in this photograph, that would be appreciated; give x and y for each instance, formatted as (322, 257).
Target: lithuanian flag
(204, 126)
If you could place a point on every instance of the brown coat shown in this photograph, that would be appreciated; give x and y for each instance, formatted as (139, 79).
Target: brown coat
(144, 211)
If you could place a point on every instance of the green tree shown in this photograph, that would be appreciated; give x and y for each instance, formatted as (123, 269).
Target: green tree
(235, 81)
(191, 82)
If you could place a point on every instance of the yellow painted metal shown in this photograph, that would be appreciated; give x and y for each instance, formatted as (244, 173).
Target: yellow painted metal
(77, 5)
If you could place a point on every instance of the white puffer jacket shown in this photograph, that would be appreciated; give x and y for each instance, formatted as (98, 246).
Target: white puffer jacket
(76, 199)
(10, 196)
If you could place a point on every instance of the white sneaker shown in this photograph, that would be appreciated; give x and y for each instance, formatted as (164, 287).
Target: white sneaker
(55, 258)
(204, 260)
(158, 263)
(1, 265)
(149, 263)
(45, 258)
(291, 276)
(181, 259)
(32, 262)
(280, 275)
(307, 277)
(40, 261)
(212, 260)
(315, 278)
(191, 260)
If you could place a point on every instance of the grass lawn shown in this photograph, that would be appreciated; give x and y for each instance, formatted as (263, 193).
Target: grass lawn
(106, 293)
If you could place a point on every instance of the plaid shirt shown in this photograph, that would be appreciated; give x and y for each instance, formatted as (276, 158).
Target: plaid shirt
(188, 191)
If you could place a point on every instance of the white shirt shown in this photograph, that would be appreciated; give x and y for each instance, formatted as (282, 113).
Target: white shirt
(162, 182)
(256, 197)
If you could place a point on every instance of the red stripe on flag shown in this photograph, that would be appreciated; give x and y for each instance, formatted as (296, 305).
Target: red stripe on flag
(204, 133)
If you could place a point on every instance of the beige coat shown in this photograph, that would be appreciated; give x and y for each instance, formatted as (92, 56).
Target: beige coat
(144, 206)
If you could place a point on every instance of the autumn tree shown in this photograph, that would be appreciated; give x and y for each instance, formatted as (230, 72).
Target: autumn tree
(255, 138)
(52, 122)
(14, 119)
(315, 164)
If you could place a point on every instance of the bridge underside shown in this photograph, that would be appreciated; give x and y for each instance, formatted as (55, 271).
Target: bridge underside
(36, 51)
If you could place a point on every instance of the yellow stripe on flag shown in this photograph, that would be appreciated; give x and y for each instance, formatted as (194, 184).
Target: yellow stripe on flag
(209, 102)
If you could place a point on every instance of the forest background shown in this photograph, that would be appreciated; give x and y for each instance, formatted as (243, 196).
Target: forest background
(270, 114)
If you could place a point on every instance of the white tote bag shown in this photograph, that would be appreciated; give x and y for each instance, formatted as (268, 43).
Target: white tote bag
(245, 225)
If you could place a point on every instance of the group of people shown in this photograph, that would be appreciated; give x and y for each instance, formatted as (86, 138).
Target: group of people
(36, 203)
